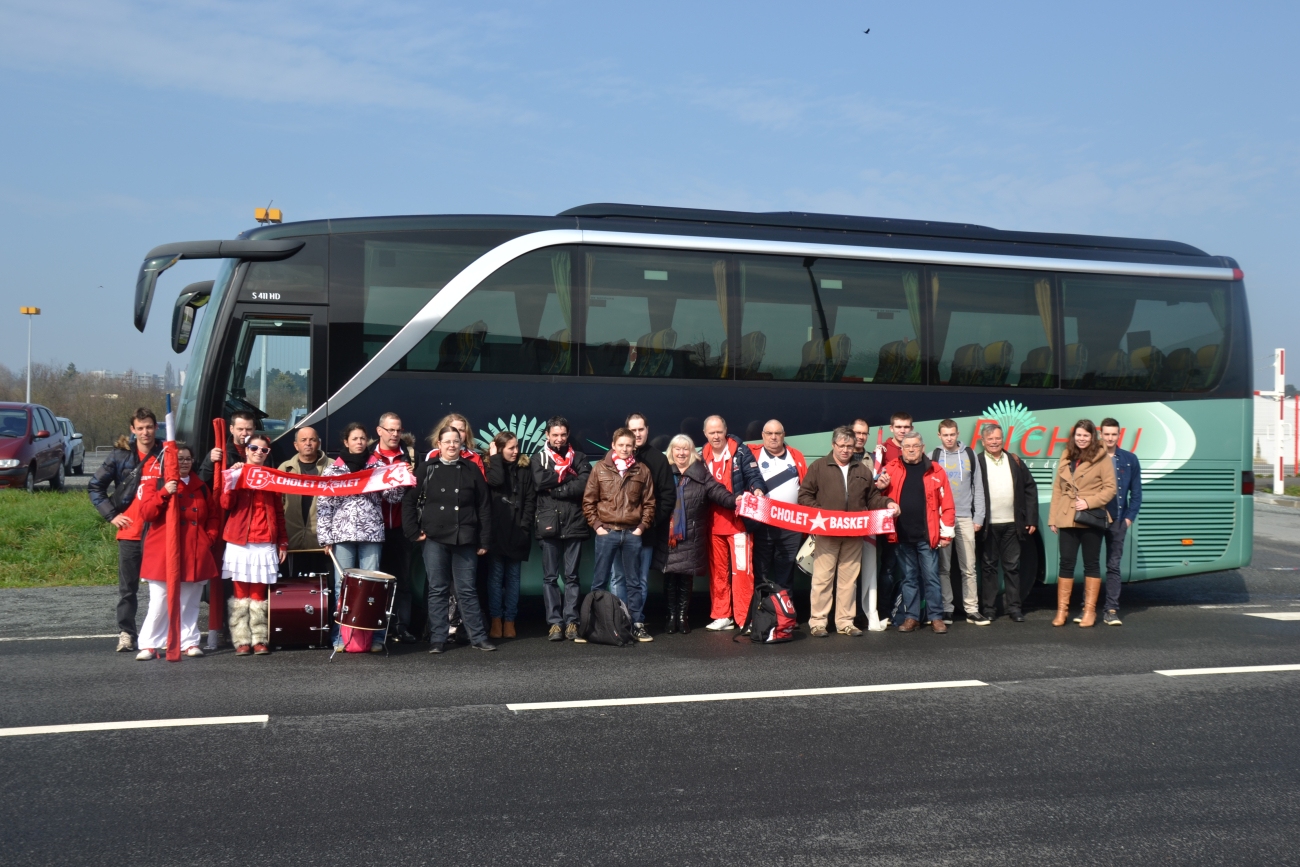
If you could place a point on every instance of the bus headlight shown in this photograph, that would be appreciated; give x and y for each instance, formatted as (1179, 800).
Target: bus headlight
(8, 464)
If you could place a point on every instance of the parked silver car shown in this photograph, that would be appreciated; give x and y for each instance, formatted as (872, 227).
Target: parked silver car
(74, 463)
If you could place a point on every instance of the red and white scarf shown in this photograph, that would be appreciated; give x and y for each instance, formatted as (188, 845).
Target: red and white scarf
(624, 465)
(563, 465)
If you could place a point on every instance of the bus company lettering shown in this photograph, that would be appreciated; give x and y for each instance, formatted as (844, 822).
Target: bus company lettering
(1031, 442)
(264, 296)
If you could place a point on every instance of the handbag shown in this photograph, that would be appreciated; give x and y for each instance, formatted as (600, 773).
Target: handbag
(1096, 518)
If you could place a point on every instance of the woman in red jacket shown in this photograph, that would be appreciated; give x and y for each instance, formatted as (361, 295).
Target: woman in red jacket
(199, 529)
(256, 544)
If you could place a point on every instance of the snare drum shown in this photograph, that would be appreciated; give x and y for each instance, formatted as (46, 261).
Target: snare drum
(366, 600)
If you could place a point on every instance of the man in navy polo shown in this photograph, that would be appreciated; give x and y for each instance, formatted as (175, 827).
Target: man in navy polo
(1123, 512)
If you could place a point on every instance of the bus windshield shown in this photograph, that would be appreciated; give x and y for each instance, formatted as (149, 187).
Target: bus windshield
(199, 348)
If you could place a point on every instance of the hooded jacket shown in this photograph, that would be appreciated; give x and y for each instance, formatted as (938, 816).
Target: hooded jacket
(561, 502)
(966, 480)
(200, 528)
(514, 506)
(354, 518)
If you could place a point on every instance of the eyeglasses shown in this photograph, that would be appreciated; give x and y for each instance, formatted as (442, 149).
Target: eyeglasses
(391, 430)
(258, 448)
(181, 460)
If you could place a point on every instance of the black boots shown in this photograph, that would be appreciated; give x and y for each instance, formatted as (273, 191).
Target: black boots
(670, 601)
(685, 586)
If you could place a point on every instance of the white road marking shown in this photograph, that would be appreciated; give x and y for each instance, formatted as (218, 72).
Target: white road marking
(1236, 669)
(738, 696)
(135, 724)
(1275, 615)
(60, 637)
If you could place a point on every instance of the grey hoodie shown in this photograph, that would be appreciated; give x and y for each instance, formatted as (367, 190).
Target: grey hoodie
(967, 483)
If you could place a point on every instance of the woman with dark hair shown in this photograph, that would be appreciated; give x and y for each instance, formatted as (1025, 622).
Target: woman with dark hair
(199, 528)
(256, 545)
(449, 512)
(1084, 484)
(352, 528)
(514, 505)
(685, 547)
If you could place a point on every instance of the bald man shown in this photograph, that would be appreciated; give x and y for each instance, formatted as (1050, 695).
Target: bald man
(300, 511)
(783, 469)
(731, 555)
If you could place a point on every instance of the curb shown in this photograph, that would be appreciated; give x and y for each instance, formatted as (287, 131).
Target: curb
(1275, 500)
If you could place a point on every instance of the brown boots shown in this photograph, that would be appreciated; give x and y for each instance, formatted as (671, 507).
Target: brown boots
(508, 629)
(494, 629)
(1091, 590)
(499, 628)
(1064, 586)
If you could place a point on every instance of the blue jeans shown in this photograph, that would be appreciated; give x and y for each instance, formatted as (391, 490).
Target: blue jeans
(446, 565)
(621, 545)
(503, 588)
(920, 567)
(355, 555)
(618, 582)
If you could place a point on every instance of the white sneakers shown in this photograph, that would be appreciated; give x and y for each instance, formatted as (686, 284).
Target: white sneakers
(722, 623)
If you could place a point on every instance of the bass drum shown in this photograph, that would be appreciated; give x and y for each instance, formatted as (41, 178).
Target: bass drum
(300, 611)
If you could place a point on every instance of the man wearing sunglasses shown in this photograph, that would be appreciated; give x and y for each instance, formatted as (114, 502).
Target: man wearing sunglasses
(396, 556)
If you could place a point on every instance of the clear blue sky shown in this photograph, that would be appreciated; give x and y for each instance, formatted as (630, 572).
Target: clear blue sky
(128, 125)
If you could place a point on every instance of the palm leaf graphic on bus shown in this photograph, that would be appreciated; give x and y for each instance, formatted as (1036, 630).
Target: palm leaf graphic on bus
(1012, 415)
(530, 431)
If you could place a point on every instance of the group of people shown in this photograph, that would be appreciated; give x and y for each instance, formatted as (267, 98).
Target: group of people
(674, 511)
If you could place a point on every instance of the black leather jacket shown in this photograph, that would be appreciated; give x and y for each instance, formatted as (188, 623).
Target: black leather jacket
(116, 471)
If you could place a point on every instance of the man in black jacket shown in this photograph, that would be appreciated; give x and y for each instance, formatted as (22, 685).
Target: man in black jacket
(242, 426)
(665, 497)
(132, 461)
(1011, 517)
(561, 473)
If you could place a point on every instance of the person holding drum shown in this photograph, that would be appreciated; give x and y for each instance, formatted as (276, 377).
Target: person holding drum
(200, 528)
(514, 507)
(351, 529)
(450, 514)
(256, 545)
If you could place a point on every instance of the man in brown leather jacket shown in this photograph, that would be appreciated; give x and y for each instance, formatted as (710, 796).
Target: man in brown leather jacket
(619, 504)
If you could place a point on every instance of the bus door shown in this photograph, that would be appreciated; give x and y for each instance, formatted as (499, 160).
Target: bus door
(276, 368)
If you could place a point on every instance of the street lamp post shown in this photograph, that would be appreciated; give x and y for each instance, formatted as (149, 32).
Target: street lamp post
(30, 313)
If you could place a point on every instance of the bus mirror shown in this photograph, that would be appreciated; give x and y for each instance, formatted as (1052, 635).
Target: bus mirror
(144, 285)
(193, 297)
(162, 258)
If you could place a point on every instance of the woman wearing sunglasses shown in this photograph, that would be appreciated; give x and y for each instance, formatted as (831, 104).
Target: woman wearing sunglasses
(256, 545)
(199, 529)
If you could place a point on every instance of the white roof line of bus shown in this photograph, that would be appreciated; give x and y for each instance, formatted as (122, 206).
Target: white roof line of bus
(481, 268)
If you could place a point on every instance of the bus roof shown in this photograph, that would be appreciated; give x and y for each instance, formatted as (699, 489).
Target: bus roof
(823, 228)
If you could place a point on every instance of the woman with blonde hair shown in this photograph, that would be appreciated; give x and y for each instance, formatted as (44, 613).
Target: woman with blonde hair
(685, 548)
(1083, 485)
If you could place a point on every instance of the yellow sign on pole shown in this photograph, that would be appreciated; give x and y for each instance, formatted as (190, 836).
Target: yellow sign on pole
(30, 311)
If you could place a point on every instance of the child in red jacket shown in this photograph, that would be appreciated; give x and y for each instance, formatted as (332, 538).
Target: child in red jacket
(256, 545)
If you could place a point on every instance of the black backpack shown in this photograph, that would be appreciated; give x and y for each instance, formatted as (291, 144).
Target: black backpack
(771, 615)
(604, 619)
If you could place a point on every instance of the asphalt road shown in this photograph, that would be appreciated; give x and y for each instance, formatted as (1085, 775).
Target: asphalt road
(1073, 749)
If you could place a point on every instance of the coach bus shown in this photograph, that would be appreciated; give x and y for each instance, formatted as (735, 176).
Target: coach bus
(678, 314)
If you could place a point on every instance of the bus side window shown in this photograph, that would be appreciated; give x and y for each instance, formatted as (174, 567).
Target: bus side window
(993, 328)
(655, 313)
(829, 320)
(518, 320)
(1145, 333)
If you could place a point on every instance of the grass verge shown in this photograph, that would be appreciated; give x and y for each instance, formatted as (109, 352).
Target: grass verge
(51, 539)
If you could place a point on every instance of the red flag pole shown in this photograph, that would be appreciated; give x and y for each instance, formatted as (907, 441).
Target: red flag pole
(216, 592)
(171, 472)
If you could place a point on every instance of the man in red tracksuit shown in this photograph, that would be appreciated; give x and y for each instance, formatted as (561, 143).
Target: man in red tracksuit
(927, 523)
(731, 567)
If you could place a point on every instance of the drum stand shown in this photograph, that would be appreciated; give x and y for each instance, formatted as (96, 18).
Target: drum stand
(338, 606)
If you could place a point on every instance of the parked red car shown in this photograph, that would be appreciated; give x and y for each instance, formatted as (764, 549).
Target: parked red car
(32, 447)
